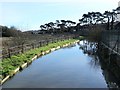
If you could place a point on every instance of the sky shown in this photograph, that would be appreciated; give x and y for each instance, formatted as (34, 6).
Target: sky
(30, 14)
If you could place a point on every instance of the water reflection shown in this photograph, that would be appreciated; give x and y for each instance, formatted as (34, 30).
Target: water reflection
(90, 48)
(111, 71)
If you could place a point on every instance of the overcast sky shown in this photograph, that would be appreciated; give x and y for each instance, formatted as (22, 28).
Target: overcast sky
(30, 14)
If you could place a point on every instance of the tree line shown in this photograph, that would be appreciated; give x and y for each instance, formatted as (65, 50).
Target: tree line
(10, 32)
(60, 26)
(91, 18)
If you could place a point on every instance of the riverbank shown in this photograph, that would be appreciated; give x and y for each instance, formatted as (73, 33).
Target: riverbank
(10, 66)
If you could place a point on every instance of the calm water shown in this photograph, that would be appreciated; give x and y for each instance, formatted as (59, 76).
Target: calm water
(65, 68)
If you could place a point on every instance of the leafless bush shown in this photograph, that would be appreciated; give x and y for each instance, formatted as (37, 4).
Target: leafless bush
(95, 34)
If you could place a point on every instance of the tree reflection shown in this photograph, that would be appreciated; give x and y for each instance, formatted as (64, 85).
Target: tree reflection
(90, 48)
(111, 71)
(94, 62)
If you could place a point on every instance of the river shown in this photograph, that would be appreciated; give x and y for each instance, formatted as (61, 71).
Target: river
(68, 67)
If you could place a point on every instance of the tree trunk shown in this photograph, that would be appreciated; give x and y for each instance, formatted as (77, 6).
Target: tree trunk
(112, 23)
(108, 26)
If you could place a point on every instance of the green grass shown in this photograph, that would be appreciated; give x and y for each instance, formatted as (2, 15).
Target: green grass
(12, 63)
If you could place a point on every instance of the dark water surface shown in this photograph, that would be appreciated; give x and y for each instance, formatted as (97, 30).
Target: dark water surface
(65, 68)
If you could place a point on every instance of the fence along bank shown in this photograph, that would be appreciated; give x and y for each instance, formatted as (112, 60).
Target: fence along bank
(7, 53)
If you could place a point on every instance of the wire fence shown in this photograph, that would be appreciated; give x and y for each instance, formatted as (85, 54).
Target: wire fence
(111, 39)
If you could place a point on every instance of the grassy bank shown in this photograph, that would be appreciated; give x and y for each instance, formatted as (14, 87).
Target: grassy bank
(10, 64)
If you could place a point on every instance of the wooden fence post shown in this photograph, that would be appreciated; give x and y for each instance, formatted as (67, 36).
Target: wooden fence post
(9, 52)
(47, 42)
(22, 48)
(32, 45)
(43, 43)
(40, 44)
